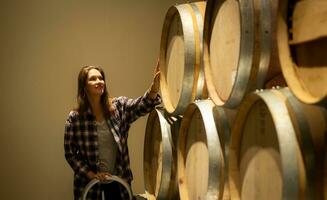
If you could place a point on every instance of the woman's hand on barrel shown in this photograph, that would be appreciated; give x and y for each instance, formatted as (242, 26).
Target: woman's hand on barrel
(155, 86)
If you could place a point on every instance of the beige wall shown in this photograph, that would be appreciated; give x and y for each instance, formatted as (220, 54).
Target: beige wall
(43, 44)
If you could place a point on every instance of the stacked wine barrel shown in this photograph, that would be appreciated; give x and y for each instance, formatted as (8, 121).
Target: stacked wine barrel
(244, 89)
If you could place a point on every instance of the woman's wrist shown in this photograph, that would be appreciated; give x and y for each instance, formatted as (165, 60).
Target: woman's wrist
(152, 93)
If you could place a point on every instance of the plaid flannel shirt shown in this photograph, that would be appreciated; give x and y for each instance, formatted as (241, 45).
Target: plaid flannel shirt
(81, 141)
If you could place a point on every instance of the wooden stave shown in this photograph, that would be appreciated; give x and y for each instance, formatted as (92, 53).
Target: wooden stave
(193, 86)
(276, 75)
(217, 157)
(266, 17)
(201, 86)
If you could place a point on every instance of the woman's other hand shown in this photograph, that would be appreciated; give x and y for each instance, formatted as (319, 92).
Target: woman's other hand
(101, 176)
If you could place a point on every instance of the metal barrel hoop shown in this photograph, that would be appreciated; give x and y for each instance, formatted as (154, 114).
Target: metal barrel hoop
(109, 180)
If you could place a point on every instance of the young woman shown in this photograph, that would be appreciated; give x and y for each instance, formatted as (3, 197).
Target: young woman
(96, 133)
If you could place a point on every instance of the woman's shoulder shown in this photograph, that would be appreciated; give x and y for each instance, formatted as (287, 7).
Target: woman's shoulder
(73, 112)
(73, 115)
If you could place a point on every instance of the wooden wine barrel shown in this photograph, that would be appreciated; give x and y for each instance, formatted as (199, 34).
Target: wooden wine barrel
(203, 142)
(277, 148)
(182, 78)
(302, 43)
(160, 157)
(237, 48)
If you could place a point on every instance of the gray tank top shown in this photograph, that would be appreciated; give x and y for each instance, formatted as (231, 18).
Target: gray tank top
(107, 148)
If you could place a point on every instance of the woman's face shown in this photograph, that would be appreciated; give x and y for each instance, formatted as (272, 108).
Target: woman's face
(95, 83)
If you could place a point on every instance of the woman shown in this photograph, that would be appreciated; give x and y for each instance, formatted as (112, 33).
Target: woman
(96, 133)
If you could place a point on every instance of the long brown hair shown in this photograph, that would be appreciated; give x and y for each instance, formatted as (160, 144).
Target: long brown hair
(83, 103)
